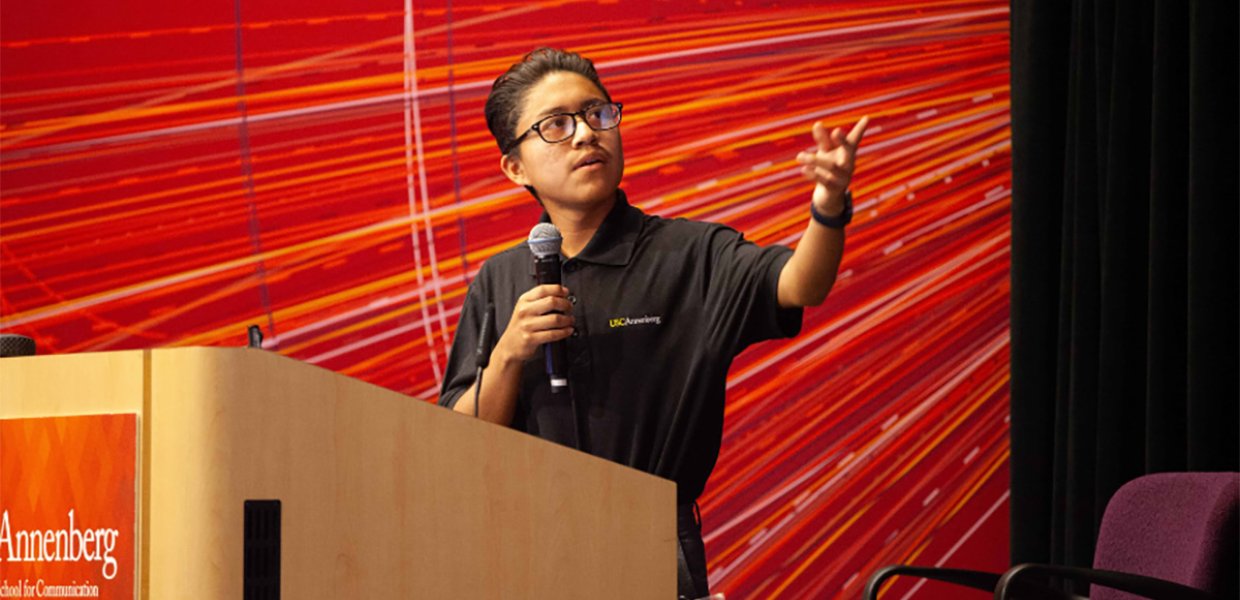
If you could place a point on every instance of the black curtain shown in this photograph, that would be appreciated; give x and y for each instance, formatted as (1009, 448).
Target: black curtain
(1125, 256)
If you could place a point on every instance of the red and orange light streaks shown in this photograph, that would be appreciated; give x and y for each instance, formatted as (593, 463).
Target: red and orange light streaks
(132, 215)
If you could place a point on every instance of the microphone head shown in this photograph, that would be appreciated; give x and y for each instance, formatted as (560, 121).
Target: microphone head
(545, 240)
(12, 344)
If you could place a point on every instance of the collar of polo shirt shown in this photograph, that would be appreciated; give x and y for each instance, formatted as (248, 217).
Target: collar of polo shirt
(615, 239)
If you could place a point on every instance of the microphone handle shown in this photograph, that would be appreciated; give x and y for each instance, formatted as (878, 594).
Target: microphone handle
(547, 271)
(482, 354)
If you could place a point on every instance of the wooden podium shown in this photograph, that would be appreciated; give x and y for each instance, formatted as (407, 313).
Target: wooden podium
(382, 495)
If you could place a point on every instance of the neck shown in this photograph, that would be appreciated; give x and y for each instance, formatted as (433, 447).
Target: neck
(577, 224)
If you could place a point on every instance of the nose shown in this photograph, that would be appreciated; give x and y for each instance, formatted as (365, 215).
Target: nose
(584, 134)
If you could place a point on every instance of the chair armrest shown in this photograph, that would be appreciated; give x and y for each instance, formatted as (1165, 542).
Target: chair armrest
(979, 580)
(1150, 587)
(975, 579)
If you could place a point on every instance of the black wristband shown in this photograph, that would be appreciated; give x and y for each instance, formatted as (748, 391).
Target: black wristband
(837, 222)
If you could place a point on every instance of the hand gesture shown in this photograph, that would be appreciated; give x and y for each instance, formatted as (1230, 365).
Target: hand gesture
(541, 315)
(830, 164)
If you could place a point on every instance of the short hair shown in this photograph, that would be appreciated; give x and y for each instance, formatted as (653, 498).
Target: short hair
(507, 96)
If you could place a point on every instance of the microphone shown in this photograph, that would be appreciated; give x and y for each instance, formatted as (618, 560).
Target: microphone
(545, 243)
(12, 344)
(482, 354)
(255, 333)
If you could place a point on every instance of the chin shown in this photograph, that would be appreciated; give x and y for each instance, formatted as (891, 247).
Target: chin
(600, 188)
(582, 198)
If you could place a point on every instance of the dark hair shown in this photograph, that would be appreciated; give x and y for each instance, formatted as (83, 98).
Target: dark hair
(507, 95)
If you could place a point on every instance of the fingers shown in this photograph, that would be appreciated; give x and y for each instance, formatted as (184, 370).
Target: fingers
(837, 160)
(542, 300)
(827, 142)
(543, 291)
(832, 178)
(536, 330)
(542, 306)
(858, 131)
(821, 138)
(837, 137)
(538, 338)
(835, 153)
(541, 315)
(549, 322)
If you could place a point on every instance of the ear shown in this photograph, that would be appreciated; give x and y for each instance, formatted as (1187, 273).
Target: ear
(511, 165)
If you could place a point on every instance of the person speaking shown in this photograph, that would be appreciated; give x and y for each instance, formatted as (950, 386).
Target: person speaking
(648, 313)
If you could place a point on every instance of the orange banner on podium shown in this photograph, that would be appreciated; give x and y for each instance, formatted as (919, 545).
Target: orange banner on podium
(68, 506)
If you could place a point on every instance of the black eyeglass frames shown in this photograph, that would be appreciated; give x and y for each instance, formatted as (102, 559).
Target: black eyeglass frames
(559, 127)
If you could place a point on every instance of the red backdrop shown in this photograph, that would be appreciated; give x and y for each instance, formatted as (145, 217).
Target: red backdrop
(173, 172)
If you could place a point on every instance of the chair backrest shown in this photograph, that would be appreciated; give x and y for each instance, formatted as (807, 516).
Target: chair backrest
(1181, 527)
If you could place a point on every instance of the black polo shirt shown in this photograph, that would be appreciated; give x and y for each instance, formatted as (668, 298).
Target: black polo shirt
(662, 306)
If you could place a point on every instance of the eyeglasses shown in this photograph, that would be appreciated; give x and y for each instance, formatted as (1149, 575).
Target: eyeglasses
(559, 127)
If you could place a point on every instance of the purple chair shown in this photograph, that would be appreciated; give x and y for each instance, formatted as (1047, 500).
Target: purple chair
(1167, 536)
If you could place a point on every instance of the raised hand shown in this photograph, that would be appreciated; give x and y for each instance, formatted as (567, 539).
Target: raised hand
(830, 164)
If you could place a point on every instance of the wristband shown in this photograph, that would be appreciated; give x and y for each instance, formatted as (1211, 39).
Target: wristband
(836, 222)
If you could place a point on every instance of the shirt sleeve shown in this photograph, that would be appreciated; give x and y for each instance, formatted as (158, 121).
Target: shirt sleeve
(743, 297)
(461, 367)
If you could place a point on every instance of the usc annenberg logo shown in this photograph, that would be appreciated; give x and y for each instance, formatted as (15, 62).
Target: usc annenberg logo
(60, 545)
(627, 321)
(67, 492)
